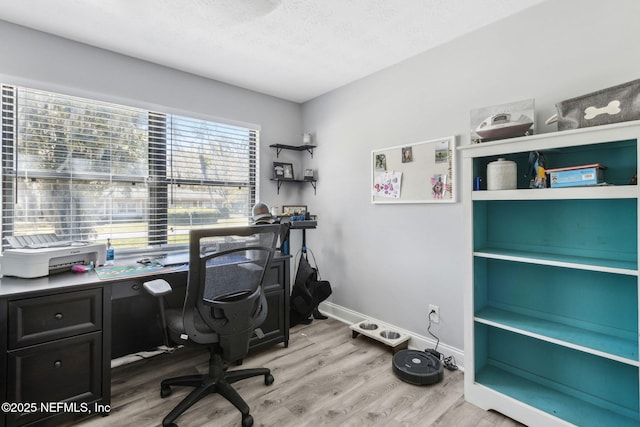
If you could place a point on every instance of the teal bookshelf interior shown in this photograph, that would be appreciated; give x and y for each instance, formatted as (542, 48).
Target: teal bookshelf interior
(543, 300)
(561, 381)
(593, 231)
(619, 157)
(554, 302)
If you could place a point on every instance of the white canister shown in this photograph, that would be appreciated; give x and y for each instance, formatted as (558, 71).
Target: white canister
(501, 175)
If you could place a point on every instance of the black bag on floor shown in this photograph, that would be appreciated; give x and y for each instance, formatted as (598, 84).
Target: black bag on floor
(307, 293)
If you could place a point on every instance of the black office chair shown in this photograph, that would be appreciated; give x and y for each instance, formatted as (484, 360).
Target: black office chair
(223, 307)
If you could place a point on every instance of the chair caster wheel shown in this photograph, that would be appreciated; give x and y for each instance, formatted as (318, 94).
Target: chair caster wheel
(165, 391)
(268, 379)
(247, 420)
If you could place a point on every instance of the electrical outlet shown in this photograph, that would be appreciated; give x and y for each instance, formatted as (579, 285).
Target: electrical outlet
(434, 313)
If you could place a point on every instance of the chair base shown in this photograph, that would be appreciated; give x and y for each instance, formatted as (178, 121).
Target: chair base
(216, 381)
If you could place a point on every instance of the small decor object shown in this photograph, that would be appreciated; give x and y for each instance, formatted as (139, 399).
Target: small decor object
(309, 175)
(407, 155)
(283, 171)
(477, 183)
(619, 103)
(537, 173)
(294, 210)
(503, 121)
(577, 176)
(501, 175)
(306, 138)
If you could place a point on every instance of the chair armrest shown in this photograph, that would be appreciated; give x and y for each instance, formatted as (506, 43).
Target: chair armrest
(157, 287)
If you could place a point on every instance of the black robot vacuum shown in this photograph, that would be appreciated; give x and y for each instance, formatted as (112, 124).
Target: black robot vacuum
(418, 367)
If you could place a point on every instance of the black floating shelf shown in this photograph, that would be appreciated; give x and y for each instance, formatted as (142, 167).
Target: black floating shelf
(280, 181)
(280, 147)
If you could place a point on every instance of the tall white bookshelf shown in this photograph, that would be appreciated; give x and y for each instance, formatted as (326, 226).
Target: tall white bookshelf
(551, 300)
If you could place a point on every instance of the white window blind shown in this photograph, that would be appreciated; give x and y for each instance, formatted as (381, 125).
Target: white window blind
(211, 171)
(89, 170)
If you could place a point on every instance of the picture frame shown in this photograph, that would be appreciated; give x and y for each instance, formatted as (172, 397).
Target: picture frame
(309, 175)
(283, 171)
(294, 210)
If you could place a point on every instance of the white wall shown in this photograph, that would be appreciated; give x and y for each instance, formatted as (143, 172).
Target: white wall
(34, 59)
(390, 262)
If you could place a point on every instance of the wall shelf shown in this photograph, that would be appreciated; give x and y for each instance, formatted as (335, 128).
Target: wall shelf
(551, 300)
(280, 181)
(306, 147)
(279, 147)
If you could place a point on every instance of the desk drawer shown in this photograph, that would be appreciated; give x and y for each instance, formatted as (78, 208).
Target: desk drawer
(65, 370)
(127, 289)
(46, 318)
(275, 276)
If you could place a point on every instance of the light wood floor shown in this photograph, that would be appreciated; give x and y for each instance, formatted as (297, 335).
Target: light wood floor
(324, 377)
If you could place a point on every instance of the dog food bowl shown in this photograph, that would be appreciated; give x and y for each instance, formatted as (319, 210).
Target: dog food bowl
(395, 339)
(368, 326)
(390, 335)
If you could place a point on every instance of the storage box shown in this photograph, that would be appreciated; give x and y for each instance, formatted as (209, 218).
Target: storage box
(576, 176)
(619, 103)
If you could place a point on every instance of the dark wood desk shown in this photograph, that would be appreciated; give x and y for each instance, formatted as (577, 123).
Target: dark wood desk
(59, 333)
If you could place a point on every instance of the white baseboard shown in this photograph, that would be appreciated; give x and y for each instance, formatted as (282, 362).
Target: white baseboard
(417, 341)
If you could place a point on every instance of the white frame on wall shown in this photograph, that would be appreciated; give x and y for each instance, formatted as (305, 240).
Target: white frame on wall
(411, 172)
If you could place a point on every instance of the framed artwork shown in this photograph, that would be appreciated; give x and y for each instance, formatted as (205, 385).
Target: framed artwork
(294, 210)
(283, 170)
(422, 172)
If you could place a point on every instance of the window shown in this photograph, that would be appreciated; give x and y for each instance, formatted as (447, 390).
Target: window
(90, 170)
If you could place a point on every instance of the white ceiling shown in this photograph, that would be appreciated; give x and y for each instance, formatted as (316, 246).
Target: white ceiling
(292, 49)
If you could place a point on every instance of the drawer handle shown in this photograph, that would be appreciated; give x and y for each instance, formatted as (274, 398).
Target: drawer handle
(57, 363)
(136, 287)
(59, 316)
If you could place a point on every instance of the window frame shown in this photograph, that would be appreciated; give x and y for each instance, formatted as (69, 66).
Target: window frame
(158, 181)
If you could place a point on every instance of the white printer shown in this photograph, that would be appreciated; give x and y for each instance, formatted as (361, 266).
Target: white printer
(38, 259)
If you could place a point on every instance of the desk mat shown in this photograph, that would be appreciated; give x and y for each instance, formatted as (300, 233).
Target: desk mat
(121, 271)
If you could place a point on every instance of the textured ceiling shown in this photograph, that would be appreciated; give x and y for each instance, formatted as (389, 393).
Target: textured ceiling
(292, 49)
